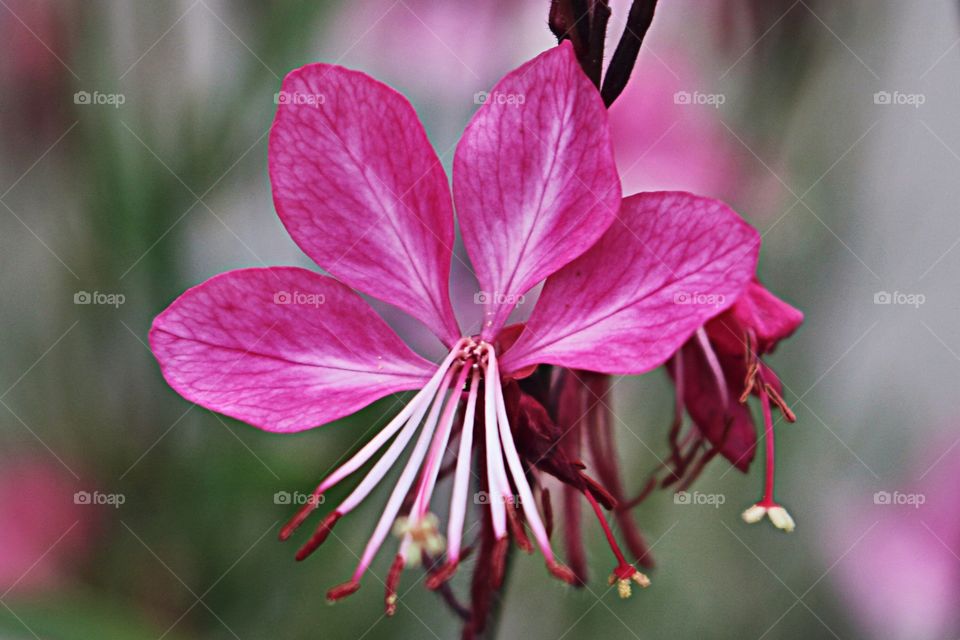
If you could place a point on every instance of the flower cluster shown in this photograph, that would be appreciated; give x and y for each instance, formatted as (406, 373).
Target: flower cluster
(538, 199)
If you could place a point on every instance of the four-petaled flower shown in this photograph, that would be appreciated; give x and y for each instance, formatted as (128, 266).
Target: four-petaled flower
(715, 373)
(361, 191)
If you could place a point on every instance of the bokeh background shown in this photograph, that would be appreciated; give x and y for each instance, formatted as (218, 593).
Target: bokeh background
(832, 127)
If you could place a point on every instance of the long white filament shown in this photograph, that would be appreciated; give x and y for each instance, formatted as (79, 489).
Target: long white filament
(406, 479)
(440, 440)
(461, 479)
(496, 473)
(419, 401)
(516, 466)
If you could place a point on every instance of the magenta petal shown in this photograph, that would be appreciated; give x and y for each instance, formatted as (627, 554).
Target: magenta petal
(534, 178)
(284, 349)
(362, 192)
(724, 421)
(668, 263)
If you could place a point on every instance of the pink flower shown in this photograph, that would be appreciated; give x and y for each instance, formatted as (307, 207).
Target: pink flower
(44, 532)
(662, 142)
(896, 550)
(362, 192)
(715, 373)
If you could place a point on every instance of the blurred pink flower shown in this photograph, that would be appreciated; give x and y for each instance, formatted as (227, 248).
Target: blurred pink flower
(899, 552)
(33, 35)
(445, 52)
(664, 139)
(43, 531)
(362, 192)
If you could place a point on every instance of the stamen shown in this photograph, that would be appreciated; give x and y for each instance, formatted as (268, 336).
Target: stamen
(406, 479)
(498, 486)
(319, 536)
(547, 511)
(393, 581)
(714, 364)
(368, 450)
(461, 480)
(342, 590)
(499, 561)
(607, 532)
(516, 528)
(520, 480)
(768, 506)
(428, 478)
(771, 458)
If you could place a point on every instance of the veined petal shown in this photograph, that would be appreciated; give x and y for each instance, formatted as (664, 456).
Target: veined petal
(757, 310)
(362, 192)
(669, 262)
(534, 178)
(284, 349)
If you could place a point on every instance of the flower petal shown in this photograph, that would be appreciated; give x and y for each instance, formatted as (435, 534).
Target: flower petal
(671, 261)
(362, 192)
(768, 317)
(724, 421)
(534, 178)
(284, 349)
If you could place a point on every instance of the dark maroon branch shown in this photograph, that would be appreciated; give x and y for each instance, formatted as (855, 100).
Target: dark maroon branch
(584, 23)
(625, 55)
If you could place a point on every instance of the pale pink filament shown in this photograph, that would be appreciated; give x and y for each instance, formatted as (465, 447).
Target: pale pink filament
(714, 364)
(406, 479)
(498, 486)
(420, 400)
(428, 479)
(461, 480)
(516, 466)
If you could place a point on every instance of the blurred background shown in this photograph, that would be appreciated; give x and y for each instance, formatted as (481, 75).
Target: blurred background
(133, 165)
